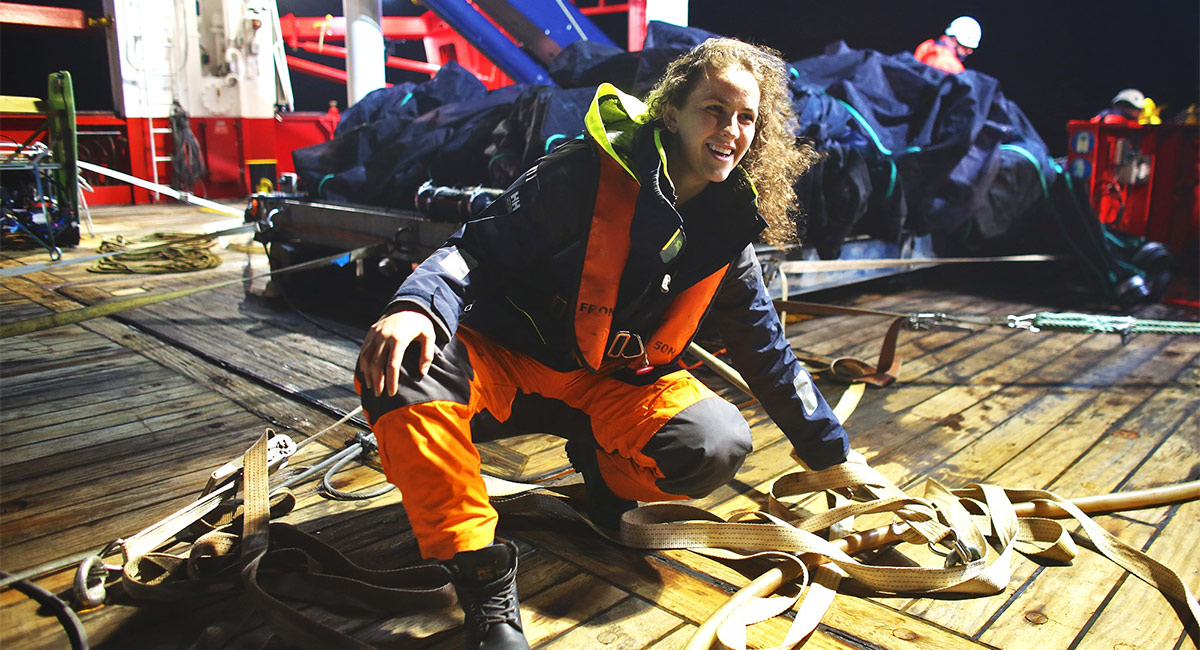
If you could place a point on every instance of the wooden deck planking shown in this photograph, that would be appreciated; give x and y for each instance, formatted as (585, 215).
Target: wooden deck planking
(985, 418)
(1059, 405)
(1174, 461)
(1135, 605)
(633, 623)
(970, 406)
(1044, 456)
(98, 400)
(265, 350)
(1040, 615)
(872, 424)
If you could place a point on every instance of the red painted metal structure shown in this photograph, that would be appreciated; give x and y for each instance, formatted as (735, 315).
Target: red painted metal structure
(1141, 179)
(241, 152)
(442, 43)
(12, 13)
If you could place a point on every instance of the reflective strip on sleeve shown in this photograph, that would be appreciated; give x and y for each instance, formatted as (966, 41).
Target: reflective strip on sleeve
(455, 264)
(804, 388)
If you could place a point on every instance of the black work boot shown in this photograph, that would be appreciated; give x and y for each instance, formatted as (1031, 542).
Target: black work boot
(486, 582)
(604, 507)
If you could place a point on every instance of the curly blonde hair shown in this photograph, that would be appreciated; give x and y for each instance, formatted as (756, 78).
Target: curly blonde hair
(774, 160)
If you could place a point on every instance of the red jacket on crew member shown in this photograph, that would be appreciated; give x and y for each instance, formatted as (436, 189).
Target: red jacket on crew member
(939, 53)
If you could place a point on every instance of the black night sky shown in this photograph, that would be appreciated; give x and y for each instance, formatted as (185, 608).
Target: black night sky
(1058, 60)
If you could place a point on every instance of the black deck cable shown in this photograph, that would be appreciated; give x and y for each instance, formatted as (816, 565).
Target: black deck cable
(62, 611)
(364, 445)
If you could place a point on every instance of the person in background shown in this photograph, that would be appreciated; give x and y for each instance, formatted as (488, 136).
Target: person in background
(565, 308)
(948, 51)
(1125, 108)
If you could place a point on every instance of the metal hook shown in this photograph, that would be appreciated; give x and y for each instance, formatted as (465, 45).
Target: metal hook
(1023, 322)
(91, 578)
(959, 553)
(926, 320)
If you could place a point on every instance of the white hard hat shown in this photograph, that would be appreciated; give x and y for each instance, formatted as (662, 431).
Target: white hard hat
(1131, 96)
(966, 30)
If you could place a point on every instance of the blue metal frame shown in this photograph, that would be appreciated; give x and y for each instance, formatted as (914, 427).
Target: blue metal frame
(532, 21)
(562, 21)
(484, 36)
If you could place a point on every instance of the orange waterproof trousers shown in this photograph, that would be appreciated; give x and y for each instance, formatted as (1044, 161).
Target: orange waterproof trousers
(671, 439)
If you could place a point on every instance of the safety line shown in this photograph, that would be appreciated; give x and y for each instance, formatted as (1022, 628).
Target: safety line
(822, 266)
(185, 197)
(111, 307)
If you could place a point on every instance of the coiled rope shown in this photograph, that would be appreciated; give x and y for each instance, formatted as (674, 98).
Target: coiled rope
(174, 253)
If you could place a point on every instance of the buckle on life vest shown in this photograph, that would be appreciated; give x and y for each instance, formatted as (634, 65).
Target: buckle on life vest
(620, 347)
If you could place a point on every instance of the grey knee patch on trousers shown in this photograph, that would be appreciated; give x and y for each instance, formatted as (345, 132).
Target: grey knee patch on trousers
(701, 448)
(449, 379)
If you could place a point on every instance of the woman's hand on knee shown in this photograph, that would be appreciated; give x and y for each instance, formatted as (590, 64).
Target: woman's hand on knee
(385, 347)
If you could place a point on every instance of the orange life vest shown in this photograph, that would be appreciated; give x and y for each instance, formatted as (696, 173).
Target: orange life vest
(607, 251)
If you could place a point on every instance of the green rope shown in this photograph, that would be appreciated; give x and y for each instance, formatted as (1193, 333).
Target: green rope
(867, 127)
(1099, 324)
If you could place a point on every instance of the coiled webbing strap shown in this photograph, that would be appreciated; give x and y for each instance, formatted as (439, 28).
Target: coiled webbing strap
(977, 529)
(978, 526)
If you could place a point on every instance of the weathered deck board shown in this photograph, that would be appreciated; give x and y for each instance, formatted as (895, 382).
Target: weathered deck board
(105, 428)
(1138, 606)
(1041, 616)
(265, 350)
(1019, 452)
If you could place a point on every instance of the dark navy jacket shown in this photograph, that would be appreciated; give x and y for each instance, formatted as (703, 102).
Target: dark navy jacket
(513, 274)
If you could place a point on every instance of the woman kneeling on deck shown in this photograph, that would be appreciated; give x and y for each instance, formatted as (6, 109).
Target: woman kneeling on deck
(565, 307)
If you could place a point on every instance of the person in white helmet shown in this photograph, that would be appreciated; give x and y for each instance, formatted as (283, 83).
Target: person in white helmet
(1125, 108)
(948, 51)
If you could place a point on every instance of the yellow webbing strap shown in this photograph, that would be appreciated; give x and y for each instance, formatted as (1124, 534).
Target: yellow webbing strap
(979, 525)
(979, 516)
(964, 523)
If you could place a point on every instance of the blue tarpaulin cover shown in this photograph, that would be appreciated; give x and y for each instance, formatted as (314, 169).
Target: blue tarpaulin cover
(908, 149)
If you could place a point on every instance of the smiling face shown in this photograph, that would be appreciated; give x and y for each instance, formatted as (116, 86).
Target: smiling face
(711, 130)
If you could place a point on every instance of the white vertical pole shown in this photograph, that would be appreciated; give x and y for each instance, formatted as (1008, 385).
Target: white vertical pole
(667, 11)
(364, 45)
